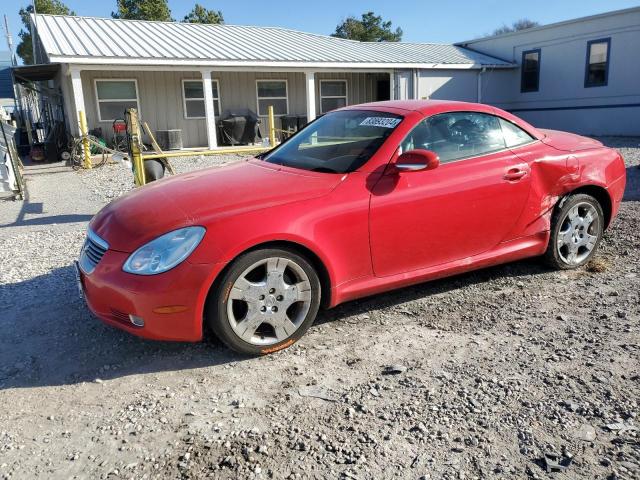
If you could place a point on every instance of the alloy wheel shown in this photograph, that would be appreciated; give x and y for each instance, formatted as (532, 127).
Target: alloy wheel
(269, 301)
(578, 234)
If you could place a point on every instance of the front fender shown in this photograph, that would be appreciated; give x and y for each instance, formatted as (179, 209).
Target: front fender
(333, 227)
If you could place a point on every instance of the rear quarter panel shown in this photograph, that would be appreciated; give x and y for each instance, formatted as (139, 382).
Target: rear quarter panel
(551, 177)
(555, 173)
(604, 167)
(600, 167)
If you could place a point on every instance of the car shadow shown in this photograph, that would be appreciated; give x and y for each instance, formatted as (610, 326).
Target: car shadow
(522, 268)
(30, 209)
(632, 189)
(50, 338)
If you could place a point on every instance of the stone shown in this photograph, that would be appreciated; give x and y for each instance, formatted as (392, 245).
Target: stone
(394, 369)
(586, 433)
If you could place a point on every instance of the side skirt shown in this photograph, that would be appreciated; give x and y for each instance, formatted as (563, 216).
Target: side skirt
(512, 250)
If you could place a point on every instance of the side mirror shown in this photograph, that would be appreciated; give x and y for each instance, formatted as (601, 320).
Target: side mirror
(417, 160)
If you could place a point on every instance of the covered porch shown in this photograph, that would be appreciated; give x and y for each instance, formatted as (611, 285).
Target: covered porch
(193, 100)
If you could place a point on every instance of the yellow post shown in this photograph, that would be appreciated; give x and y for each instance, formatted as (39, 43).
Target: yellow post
(157, 148)
(135, 148)
(218, 151)
(272, 127)
(86, 150)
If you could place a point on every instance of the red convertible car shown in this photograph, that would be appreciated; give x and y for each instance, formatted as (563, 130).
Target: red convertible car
(363, 200)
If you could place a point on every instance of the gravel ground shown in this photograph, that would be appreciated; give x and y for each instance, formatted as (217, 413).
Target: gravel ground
(482, 375)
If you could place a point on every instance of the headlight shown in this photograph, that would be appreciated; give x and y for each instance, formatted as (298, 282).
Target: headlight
(165, 252)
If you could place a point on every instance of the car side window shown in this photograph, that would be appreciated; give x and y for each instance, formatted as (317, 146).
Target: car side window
(456, 135)
(514, 135)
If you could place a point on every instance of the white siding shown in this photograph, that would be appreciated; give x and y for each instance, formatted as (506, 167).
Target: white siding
(238, 91)
(161, 102)
(160, 96)
(361, 87)
(403, 85)
(448, 85)
(562, 75)
(161, 105)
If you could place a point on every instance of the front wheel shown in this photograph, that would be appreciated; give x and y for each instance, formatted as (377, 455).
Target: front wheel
(577, 227)
(265, 301)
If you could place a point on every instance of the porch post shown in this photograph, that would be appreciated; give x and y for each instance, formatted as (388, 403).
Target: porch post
(310, 81)
(392, 85)
(209, 111)
(78, 100)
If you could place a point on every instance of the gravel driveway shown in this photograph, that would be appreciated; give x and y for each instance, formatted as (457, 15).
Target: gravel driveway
(500, 373)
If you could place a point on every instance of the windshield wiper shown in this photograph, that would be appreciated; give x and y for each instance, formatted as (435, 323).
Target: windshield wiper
(324, 170)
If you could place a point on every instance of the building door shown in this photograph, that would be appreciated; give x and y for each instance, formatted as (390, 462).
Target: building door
(383, 87)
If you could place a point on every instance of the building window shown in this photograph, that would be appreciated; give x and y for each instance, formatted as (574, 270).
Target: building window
(193, 97)
(114, 96)
(333, 94)
(597, 74)
(530, 71)
(272, 92)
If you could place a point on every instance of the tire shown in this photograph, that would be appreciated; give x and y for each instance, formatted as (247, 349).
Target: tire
(153, 170)
(265, 301)
(574, 239)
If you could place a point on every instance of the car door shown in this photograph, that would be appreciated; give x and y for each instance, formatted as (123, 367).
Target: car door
(464, 207)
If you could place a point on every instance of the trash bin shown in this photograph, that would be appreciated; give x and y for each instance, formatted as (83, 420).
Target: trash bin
(302, 121)
(289, 123)
(293, 123)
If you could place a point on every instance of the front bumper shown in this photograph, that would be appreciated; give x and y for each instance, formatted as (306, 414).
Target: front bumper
(171, 303)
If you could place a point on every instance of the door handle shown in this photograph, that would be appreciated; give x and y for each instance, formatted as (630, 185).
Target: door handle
(514, 174)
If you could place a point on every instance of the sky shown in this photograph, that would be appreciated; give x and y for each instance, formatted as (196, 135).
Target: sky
(421, 20)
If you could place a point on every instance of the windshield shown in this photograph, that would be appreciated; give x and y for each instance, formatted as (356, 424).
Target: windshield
(338, 142)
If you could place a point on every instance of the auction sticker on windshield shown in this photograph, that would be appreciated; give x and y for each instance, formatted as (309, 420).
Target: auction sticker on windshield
(386, 122)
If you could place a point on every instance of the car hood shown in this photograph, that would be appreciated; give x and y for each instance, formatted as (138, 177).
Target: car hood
(568, 142)
(202, 197)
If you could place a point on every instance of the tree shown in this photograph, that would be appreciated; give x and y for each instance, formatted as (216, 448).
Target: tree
(370, 28)
(199, 14)
(51, 7)
(522, 24)
(143, 10)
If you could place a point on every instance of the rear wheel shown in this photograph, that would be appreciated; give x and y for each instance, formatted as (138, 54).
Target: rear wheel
(265, 302)
(576, 231)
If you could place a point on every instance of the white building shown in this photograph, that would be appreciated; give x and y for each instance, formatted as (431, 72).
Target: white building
(581, 75)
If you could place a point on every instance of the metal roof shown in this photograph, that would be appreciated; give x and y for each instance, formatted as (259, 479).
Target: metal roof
(104, 40)
(36, 73)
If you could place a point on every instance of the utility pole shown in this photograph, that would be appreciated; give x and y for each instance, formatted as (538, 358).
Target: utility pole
(9, 40)
(33, 38)
(13, 62)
